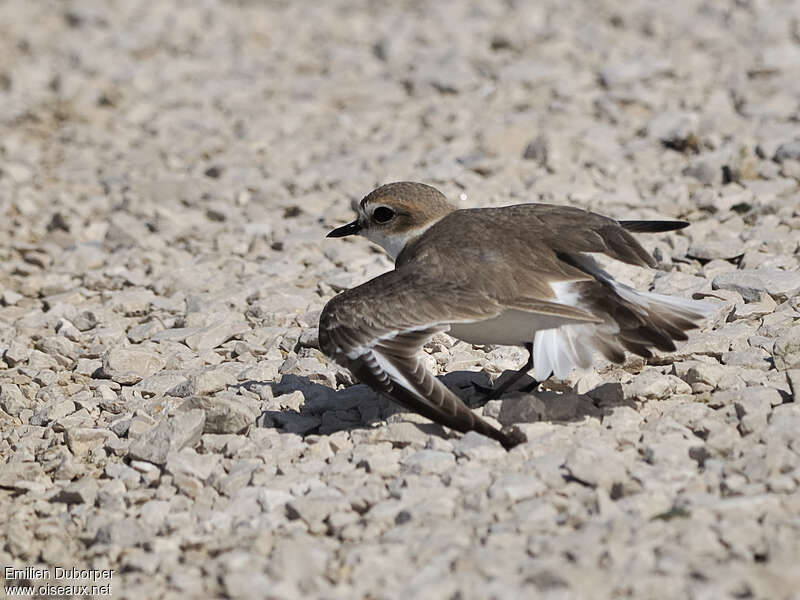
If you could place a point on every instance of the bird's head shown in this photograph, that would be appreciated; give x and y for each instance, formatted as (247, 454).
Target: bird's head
(396, 213)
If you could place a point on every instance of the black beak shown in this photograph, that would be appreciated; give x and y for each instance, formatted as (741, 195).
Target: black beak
(349, 229)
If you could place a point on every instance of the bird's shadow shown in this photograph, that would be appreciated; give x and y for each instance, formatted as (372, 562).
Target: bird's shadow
(324, 410)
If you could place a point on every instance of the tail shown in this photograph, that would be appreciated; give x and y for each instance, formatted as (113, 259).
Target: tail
(648, 320)
(653, 226)
(634, 321)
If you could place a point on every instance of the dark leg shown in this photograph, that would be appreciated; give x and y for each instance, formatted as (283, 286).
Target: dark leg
(494, 394)
(531, 387)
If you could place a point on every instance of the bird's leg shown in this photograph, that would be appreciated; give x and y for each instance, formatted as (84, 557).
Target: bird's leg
(494, 394)
(531, 387)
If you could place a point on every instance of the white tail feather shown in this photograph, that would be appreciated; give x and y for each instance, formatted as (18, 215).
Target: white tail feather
(650, 301)
(560, 350)
(690, 309)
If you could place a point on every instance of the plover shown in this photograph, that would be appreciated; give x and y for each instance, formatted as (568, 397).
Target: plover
(516, 275)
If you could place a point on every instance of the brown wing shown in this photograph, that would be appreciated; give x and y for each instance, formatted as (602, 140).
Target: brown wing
(501, 241)
(570, 230)
(378, 329)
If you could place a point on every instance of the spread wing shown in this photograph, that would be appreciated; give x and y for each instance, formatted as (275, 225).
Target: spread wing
(378, 329)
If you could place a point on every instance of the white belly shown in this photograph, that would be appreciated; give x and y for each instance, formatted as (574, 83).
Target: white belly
(510, 328)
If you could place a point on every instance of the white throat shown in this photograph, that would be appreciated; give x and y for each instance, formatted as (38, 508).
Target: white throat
(393, 243)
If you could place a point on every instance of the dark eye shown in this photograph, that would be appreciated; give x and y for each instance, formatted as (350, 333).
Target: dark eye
(382, 214)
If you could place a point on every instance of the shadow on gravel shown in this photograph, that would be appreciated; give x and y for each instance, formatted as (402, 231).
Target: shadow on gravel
(319, 409)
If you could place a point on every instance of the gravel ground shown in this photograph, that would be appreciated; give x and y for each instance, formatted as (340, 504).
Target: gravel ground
(168, 171)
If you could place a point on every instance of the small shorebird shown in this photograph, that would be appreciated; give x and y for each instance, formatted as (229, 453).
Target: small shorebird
(516, 275)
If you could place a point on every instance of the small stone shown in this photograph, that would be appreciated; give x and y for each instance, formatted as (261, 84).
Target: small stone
(751, 283)
(380, 459)
(19, 539)
(786, 353)
(120, 426)
(588, 382)
(128, 366)
(205, 383)
(403, 434)
(292, 401)
(187, 462)
(208, 338)
(314, 509)
(309, 338)
(522, 408)
(82, 440)
(788, 151)
(54, 412)
(270, 500)
(124, 533)
(85, 321)
(10, 298)
(793, 377)
(132, 303)
(223, 414)
(697, 374)
(68, 330)
(83, 491)
(537, 150)
(611, 393)
(597, 466)
(184, 430)
(709, 168)
(492, 409)
(781, 484)
(17, 353)
(106, 393)
(474, 446)
(676, 130)
(149, 472)
(710, 249)
(15, 474)
(753, 411)
(187, 428)
(238, 477)
(12, 400)
(623, 419)
(90, 367)
(161, 383)
(784, 422)
(429, 461)
(155, 513)
(517, 487)
(751, 394)
(145, 331)
(754, 358)
(128, 476)
(766, 305)
(140, 425)
(61, 349)
(654, 385)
